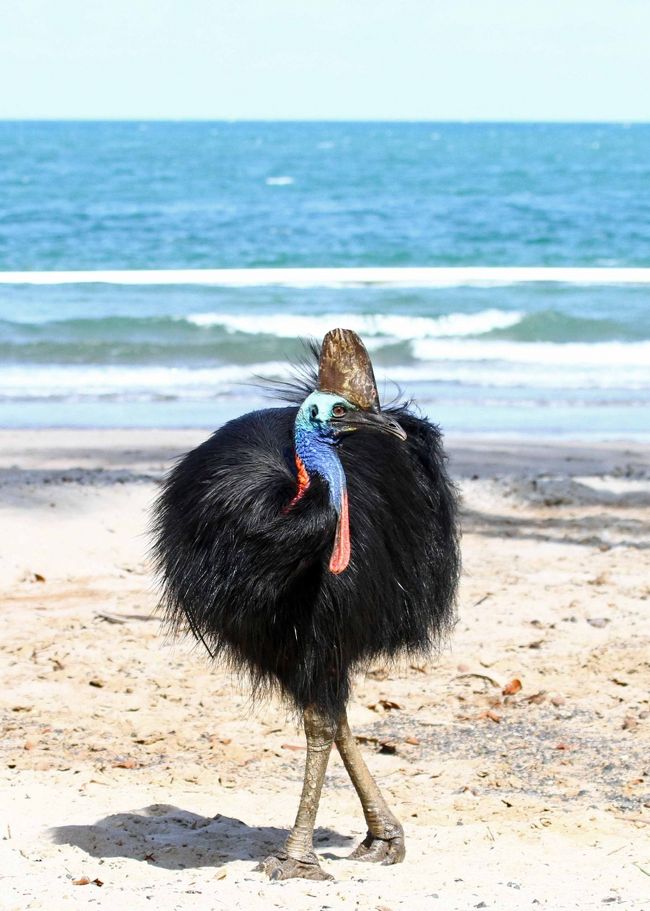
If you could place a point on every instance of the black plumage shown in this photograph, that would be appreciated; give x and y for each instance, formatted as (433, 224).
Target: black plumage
(251, 578)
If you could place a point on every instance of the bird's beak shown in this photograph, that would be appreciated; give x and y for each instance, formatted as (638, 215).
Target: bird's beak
(369, 420)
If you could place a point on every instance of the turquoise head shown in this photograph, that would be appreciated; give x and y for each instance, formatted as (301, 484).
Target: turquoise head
(326, 417)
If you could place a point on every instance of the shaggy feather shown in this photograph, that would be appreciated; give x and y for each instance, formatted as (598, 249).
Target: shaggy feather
(251, 578)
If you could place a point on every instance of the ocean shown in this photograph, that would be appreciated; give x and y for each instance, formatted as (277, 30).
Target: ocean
(521, 350)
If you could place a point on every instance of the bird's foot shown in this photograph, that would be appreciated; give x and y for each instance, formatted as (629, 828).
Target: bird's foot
(385, 850)
(281, 866)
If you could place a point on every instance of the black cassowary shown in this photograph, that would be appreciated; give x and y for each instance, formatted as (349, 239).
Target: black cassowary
(299, 544)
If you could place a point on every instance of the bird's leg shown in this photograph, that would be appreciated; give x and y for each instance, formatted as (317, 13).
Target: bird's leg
(384, 842)
(298, 858)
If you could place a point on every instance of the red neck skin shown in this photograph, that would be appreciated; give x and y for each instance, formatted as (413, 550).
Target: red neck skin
(341, 554)
(303, 484)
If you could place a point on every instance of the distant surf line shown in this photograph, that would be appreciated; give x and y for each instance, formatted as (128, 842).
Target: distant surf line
(399, 276)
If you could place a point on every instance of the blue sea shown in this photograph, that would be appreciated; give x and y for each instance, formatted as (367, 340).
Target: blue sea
(503, 355)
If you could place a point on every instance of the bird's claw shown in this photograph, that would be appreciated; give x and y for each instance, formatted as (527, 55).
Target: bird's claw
(280, 866)
(377, 850)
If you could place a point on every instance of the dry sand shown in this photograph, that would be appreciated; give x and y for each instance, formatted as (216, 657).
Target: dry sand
(129, 759)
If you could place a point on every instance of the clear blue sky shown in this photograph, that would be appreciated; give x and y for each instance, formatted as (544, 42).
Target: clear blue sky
(342, 59)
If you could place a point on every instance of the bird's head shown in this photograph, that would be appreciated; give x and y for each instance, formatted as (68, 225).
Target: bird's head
(331, 416)
(346, 400)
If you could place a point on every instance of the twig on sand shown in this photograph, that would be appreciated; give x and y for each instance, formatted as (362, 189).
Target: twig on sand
(616, 850)
(479, 677)
(124, 618)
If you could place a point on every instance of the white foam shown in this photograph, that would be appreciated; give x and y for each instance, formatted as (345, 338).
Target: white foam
(282, 181)
(607, 365)
(78, 381)
(509, 376)
(542, 365)
(393, 326)
(408, 276)
(622, 356)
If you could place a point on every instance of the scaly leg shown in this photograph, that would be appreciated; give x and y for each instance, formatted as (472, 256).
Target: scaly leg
(298, 858)
(384, 842)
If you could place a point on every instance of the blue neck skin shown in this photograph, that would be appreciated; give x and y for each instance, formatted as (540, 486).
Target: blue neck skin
(315, 444)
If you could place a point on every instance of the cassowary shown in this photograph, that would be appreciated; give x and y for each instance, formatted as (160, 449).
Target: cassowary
(302, 543)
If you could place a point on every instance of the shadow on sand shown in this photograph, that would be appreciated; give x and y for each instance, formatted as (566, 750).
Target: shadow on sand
(177, 839)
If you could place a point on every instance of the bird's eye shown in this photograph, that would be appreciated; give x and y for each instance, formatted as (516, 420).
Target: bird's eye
(313, 412)
(338, 411)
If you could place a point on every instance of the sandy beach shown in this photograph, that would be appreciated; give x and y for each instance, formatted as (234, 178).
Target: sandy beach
(517, 759)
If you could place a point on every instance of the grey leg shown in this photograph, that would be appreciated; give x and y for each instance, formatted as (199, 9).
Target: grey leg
(298, 858)
(384, 842)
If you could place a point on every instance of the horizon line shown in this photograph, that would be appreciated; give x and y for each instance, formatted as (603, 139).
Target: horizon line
(622, 121)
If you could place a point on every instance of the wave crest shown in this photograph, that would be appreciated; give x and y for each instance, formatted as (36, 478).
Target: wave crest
(395, 326)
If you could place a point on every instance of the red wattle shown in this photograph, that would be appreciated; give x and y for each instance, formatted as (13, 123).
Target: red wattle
(341, 553)
(303, 484)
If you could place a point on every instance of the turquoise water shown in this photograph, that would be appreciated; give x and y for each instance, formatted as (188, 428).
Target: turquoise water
(129, 195)
(519, 358)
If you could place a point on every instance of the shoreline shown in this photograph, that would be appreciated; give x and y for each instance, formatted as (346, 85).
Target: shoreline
(489, 455)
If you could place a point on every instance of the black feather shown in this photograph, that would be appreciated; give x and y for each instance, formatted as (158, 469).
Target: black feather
(253, 582)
